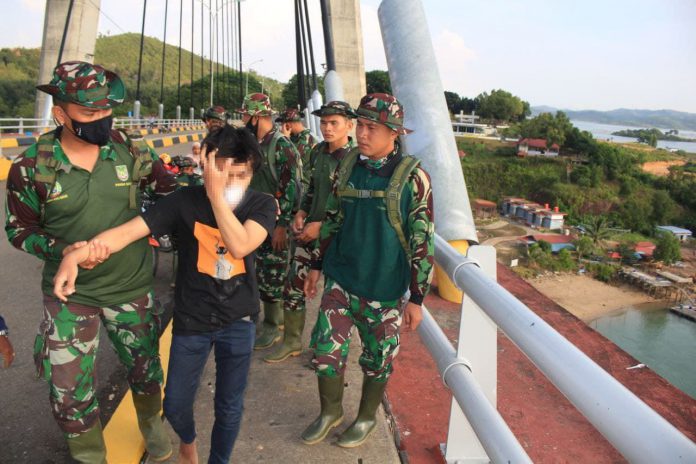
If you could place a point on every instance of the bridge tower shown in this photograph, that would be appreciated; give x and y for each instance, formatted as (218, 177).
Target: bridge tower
(80, 39)
(346, 27)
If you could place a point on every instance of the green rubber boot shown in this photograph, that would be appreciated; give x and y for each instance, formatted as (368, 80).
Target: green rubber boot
(292, 338)
(157, 443)
(359, 431)
(270, 328)
(89, 447)
(331, 415)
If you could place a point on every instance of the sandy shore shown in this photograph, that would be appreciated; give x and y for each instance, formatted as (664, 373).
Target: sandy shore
(586, 297)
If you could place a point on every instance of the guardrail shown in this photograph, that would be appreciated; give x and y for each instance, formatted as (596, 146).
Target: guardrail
(639, 433)
(23, 125)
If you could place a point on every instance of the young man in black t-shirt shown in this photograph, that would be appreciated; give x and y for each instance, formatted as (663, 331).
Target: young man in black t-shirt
(219, 226)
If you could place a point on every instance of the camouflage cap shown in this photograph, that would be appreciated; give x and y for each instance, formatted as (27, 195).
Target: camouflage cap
(290, 115)
(85, 84)
(336, 107)
(384, 109)
(256, 104)
(215, 112)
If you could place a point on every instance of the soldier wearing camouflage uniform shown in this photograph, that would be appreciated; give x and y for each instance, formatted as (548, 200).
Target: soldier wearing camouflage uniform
(215, 117)
(336, 123)
(279, 176)
(369, 261)
(75, 182)
(301, 137)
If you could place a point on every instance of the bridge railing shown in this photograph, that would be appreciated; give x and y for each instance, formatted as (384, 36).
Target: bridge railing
(638, 432)
(24, 126)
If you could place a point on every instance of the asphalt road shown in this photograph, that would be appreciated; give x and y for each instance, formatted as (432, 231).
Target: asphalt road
(28, 433)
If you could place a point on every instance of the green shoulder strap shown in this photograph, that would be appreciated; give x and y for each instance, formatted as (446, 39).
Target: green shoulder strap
(142, 166)
(393, 198)
(270, 154)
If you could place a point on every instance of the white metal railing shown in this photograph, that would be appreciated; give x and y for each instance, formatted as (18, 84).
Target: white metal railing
(639, 433)
(24, 126)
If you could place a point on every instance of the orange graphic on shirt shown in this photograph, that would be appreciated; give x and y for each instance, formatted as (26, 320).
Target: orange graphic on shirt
(213, 257)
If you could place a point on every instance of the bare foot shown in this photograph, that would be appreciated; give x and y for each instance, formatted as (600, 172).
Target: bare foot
(188, 453)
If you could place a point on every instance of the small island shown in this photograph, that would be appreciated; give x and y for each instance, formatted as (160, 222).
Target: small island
(651, 136)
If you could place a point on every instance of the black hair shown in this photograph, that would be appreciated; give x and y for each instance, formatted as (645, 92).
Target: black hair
(236, 143)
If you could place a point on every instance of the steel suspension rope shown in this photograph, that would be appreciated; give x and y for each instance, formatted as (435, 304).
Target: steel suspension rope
(304, 50)
(298, 53)
(210, 50)
(65, 32)
(140, 59)
(224, 59)
(164, 50)
(239, 46)
(193, 17)
(328, 36)
(217, 51)
(202, 101)
(311, 46)
(230, 49)
(181, 22)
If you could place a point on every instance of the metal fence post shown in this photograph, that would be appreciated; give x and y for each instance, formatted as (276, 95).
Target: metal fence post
(478, 344)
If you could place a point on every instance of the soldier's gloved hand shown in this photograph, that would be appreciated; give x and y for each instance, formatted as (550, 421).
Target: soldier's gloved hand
(310, 283)
(280, 238)
(98, 253)
(6, 351)
(413, 315)
(310, 232)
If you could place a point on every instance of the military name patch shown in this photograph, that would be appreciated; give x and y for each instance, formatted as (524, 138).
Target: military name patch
(122, 172)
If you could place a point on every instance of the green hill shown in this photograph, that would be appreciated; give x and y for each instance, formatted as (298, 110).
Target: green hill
(19, 73)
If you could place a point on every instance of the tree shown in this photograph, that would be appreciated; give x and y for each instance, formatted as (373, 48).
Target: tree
(290, 92)
(596, 227)
(553, 128)
(454, 102)
(377, 81)
(667, 248)
(584, 246)
(501, 105)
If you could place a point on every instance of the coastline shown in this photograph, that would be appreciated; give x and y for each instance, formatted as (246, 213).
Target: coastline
(587, 298)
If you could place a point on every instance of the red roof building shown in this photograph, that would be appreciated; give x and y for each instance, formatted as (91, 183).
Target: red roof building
(536, 147)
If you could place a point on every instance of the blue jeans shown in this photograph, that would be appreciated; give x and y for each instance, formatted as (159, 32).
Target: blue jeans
(233, 347)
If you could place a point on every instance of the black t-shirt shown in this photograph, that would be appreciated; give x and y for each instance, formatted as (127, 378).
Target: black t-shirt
(212, 288)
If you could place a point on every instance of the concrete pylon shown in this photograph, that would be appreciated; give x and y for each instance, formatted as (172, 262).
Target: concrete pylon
(346, 27)
(79, 42)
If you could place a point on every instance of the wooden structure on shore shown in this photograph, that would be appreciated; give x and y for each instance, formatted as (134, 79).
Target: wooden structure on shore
(685, 310)
(653, 286)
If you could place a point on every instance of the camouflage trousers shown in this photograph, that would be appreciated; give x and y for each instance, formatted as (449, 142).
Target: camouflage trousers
(378, 324)
(293, 293)
(271, 270)
(66, 347)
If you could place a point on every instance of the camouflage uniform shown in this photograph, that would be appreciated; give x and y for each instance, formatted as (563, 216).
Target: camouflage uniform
(280, 176)
(51, 204)
(338, 303)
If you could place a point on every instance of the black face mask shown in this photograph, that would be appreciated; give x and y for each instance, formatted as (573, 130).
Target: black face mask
(96, 132)
(252, 128)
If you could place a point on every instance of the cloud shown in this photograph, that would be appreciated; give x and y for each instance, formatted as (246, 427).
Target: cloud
(453, 58)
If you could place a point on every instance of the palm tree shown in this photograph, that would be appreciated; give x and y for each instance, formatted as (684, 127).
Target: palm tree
(597, 228)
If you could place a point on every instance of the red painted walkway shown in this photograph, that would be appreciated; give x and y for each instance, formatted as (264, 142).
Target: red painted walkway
(546, 424)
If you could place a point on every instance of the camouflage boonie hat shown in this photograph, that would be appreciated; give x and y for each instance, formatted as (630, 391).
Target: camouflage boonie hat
(384, 109)
(256, 104)
(85, 84)
(289, 115)
(336, 107)
(215, 112)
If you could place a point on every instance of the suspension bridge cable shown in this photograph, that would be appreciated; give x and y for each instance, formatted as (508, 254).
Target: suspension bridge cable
(202, 101)
(65, 32)
(230, 49)
(140, 59)
(193, 17)
(224, 40)
(217, 51)
(210, 50)
(311, 47)
(233, 29)
(328, 36)
(107, 16)
(239, 46)
(181, 22)
(164, 50)
(304, 50)
(298, 53)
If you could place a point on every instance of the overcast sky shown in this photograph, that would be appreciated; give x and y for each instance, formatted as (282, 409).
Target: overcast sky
(587, 54)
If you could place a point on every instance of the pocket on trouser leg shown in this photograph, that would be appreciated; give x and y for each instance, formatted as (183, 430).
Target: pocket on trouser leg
(42, 362)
